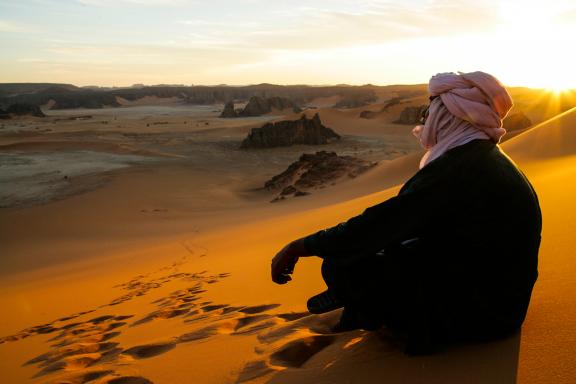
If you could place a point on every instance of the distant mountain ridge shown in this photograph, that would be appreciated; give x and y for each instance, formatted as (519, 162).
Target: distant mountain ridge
(64, 96)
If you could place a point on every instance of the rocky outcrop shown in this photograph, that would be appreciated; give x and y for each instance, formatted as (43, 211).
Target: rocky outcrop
(22, 109)
(85, 99)
(69, 96)
(356, 99)
(368, 114)
(315, 170)
(410, 115)
(228, 110)
(392, 102)
(516, 122)
(290, 132)
(258, 106)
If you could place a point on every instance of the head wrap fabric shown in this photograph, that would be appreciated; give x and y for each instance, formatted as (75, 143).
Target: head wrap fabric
(471, 105)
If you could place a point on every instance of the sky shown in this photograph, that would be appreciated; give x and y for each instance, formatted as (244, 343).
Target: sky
(237, 42)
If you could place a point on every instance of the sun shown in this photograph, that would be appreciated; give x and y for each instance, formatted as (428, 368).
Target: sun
(542, 35)
(558, 86)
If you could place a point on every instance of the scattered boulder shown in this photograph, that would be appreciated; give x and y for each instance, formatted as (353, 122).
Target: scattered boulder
(313, 171)
(258, 106)
(290, 132)
(392, 102)
(410, 115)
(228, 110)
(516, 122)
(368, 114)
(22, 109)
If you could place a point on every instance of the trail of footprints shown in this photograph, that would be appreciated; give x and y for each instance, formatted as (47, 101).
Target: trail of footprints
(87, 353)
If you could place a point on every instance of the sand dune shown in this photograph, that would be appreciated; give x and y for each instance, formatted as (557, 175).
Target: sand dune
(189, 297)
(552, 138)
(547, 154)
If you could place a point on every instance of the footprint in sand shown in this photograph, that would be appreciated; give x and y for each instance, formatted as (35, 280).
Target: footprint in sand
(294, 353)
(142, 284)
(210, 308)
(98, 320)
(128, 380)
(84, 377)
(178, 303)
(247, 324)
(258, 308)
(74, 349)
(149, 350)
(88, 329)
(254, 370)
(199, 334)
(166, 313)
(256, 328)
(71, 363)
(291, 316)
(92, 338)
(293, 322)
(297, 352)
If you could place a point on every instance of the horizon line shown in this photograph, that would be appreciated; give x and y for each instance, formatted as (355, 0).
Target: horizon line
(142, 85)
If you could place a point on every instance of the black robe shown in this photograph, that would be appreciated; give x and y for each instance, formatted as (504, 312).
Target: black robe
(453, 255)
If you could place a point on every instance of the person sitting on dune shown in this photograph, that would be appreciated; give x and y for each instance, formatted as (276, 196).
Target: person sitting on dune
(454, 255)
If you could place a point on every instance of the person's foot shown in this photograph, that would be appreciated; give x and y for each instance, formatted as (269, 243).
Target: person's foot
(323, 302)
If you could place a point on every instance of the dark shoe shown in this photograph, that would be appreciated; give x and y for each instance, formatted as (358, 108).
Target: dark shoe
(323, 302)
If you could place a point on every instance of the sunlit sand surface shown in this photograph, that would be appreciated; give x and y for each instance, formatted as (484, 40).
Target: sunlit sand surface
(160, 272)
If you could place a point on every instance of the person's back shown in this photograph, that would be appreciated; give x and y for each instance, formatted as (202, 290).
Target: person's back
(482, 253)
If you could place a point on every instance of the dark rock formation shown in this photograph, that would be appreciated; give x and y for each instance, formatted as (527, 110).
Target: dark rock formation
(313, 171)
(356, 99)
(392, 102)
(410, 115)
(289, 132)
(69, 96)
(516, 122)
(14, 89)
(84, 99)
(22, 109)
(368, 114)
(258, 106)
(228, 110)
(57, 89)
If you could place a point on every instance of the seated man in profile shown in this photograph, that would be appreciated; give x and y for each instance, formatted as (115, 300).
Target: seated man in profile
(454, 255)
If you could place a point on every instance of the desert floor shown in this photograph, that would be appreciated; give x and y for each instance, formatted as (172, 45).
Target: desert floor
(136, 246)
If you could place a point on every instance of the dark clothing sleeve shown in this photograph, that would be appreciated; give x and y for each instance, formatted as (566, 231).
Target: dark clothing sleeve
(426, 196)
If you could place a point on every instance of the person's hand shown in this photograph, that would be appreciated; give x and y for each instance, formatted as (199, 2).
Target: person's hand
(285, 260)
